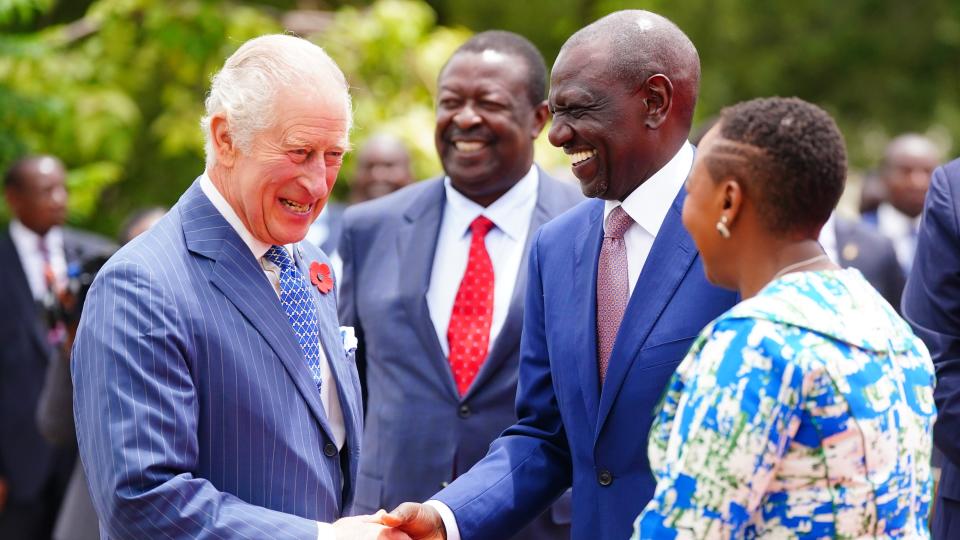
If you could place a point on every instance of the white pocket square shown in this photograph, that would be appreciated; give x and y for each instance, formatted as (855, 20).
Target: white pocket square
(348, 338)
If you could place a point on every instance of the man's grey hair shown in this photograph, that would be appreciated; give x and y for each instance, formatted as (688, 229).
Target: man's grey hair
(246, 87)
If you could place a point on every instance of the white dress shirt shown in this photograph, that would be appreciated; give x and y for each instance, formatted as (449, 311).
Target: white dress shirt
(511, 215)
(27, 244)
(828, 238)
(648, 206)
(902, 231)
(328, 387)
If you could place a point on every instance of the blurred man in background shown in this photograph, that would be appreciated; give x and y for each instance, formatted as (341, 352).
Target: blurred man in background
(908, 162)
(383, 166)
(39, 258)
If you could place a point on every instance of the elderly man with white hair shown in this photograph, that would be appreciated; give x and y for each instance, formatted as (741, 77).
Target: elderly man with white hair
(216, 396)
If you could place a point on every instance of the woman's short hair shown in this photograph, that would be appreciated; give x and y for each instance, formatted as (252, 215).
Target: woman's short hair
(789, 156)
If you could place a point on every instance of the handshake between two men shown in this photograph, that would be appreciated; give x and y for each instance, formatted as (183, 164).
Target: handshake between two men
(409, 521)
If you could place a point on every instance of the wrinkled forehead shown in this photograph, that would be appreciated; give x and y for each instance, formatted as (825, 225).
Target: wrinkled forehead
(488, 63)
(306, 117)
(576, 56)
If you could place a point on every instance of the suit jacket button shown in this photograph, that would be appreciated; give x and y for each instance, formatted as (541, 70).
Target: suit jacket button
(464, 411)
(444, 484)
(330, 450)
(605, 478)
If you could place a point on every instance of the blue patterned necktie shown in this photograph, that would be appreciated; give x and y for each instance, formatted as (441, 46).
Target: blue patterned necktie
(296, 297)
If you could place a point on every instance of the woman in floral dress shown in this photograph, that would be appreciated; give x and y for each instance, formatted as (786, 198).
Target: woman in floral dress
(806, 410)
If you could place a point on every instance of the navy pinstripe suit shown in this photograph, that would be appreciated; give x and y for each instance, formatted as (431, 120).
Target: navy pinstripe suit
(196, 414)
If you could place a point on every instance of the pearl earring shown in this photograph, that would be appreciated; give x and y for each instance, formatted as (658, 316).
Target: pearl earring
(722, 228)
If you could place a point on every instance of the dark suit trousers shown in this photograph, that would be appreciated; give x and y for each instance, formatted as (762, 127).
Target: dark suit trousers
(34, 520)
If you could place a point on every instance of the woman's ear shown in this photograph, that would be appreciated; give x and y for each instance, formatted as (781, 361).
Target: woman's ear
(731, 193)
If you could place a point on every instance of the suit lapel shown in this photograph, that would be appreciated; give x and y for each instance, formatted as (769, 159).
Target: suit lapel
(584, 301)
(416, 245)
(240, 278)
(670, 258)
(509, 337)
(332, 344)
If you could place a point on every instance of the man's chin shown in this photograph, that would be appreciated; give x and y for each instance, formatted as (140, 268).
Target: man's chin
(594, 188)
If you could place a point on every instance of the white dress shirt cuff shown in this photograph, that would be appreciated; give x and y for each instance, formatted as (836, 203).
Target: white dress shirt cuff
(449, 521)
(325, 531)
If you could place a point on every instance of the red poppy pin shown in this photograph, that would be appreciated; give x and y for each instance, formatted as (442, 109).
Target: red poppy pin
(320, 276)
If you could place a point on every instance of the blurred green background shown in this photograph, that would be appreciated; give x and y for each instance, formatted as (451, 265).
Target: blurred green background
(116, 87)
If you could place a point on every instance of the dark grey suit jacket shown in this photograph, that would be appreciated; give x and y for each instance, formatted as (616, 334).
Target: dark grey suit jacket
(420, 433)
(865, 249)
(77, 519)
(30, 463)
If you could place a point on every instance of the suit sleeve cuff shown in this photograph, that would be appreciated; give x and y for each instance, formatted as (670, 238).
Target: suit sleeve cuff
(449, 520)
(325, 531)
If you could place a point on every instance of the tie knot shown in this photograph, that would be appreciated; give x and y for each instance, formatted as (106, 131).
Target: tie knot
(617, 223)
(279, 256)
(481, 226)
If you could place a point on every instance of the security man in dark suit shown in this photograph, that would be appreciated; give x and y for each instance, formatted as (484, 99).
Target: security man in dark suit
(855, 244)
(40, 260)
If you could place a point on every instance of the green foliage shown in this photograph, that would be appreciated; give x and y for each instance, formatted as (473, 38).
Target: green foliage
(881, 67)
(22, 11)
(118, 95)
(391, 53)
(116, 87)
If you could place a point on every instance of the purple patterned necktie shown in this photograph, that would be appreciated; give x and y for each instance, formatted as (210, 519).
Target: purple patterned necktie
(613, 287)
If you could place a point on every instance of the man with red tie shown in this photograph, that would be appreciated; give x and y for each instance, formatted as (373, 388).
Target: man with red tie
(433, 283)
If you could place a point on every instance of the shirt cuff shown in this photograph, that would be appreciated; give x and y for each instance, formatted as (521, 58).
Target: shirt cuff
(325, 531)
(449, 520)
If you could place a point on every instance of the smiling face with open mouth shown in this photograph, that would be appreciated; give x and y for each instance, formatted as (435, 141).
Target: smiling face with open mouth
(486, 123)
(598, 121)
(280, 186)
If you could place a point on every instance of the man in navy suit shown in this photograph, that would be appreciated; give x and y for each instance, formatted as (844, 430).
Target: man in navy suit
(855, 244)
(429, 418)
(215, 395)
(615, 295)
(931, 303)
(38, 258)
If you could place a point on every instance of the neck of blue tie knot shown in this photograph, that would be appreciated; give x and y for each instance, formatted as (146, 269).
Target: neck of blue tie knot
(279, 256)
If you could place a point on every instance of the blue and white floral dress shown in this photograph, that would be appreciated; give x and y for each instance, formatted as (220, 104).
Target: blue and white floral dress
(803, 412)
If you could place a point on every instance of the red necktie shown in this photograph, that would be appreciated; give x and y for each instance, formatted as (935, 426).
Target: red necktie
(469, 332)
(49, 277)
(57, 332)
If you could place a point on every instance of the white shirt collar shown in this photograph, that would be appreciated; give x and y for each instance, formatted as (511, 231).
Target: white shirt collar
(30, 240)
(507, 212)
(258, 247)
(894, 223)
(649, 203)
(828, 237)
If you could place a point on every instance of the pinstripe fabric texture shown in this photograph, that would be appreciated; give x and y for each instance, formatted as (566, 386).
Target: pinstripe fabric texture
(197, 416)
